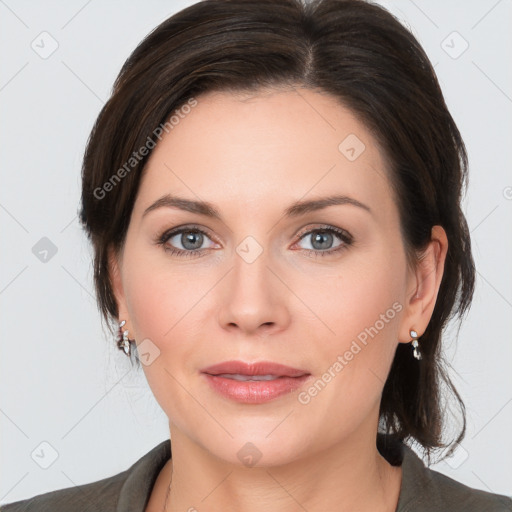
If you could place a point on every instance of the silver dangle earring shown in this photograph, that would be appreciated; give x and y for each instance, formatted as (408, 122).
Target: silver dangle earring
(416, 352)
(123, 343)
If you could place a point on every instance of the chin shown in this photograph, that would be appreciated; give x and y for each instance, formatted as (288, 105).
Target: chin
(256, 449)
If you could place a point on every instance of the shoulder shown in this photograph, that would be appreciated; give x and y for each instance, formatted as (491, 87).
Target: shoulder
(424, 489)
(99, 496)
(461, 497)
(128, 490)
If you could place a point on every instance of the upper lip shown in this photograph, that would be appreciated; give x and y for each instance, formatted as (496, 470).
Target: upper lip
(257, 368)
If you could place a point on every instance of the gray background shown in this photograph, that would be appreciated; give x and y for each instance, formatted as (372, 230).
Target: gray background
(63, 382)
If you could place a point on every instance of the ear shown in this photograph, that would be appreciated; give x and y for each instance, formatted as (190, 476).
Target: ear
(114, 269)
(423, 286)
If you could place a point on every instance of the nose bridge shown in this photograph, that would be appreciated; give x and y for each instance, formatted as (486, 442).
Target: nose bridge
(250, 263)
(254, 295)
(251, 279)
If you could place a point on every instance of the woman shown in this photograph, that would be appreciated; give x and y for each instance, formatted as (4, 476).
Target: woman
(273, 197)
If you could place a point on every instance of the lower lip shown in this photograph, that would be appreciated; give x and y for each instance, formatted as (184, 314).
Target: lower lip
(255, 392)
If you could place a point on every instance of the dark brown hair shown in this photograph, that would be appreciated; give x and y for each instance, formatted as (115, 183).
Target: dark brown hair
(358, 53)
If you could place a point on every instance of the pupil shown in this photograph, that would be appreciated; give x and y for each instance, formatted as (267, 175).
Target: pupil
(322, 237)
(189, 237)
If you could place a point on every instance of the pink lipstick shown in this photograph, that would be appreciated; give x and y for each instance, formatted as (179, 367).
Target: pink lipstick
(254, 383)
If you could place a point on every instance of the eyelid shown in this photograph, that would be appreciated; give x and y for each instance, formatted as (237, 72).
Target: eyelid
(326, 227)
(187, 227)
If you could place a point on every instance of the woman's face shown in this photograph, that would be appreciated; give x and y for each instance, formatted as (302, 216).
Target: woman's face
(266, 285)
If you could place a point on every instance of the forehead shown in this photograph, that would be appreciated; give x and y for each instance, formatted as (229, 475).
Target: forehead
(265, 149)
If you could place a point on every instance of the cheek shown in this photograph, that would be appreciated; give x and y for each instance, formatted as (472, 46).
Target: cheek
(146, 308)
(161, 307)
(166, 302)
(158, 293)
(364, 293)
(362, 307)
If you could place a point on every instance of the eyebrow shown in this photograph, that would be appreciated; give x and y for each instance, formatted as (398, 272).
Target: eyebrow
(296, 209)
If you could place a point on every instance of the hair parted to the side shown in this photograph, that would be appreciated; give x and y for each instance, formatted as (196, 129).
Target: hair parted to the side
(358, 53)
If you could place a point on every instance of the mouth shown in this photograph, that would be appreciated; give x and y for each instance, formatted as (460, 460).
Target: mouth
(254, 383)
(250, 378)
(262, 370)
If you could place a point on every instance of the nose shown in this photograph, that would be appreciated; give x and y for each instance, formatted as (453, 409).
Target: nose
(253, 298)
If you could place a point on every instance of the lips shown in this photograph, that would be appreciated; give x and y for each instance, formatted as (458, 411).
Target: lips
(262, 370)
(254, 383)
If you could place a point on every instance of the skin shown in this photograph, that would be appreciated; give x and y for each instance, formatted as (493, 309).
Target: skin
(252, 156)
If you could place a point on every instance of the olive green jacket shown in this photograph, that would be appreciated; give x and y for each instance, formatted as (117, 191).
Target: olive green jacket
(422, 489)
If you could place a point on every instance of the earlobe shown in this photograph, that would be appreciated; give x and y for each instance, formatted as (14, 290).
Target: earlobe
(114, 268)
(425, 284)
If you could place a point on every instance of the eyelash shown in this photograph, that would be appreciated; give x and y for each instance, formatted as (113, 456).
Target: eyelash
(162, 240)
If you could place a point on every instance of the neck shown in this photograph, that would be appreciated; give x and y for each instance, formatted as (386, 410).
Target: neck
(351, 475)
